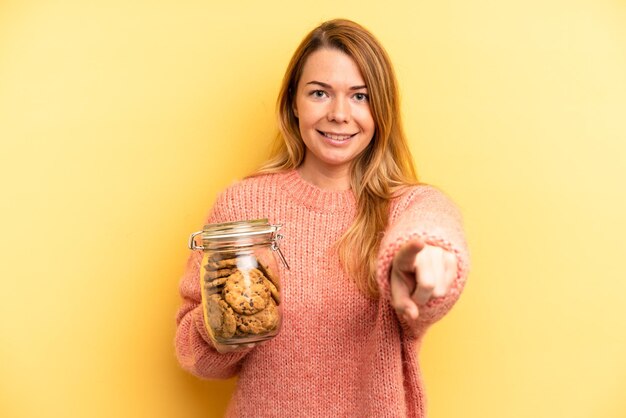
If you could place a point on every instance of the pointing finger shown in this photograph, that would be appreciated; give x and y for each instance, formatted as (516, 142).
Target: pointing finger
(405, 257)
(401, 297)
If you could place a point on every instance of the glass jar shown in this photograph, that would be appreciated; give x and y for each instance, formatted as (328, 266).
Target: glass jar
(239, 281)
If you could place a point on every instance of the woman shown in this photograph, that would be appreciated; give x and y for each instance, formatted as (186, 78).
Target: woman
(376, 258)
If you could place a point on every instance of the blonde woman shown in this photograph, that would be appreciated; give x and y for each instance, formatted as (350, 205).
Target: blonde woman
(376, 257)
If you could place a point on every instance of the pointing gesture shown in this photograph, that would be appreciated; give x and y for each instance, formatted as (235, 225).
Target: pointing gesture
(419, 272)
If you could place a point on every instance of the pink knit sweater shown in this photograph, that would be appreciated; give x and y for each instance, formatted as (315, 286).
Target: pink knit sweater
(339, 354)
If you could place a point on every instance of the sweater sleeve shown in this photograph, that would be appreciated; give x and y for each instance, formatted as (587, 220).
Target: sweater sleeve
(427, 213)
(194, 349)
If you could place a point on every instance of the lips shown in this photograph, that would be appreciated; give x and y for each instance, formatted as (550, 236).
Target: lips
(336, 136)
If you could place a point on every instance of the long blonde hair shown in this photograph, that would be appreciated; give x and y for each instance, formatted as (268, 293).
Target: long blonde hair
(381, 170)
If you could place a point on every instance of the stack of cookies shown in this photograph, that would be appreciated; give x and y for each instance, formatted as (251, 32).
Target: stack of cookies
(241, 296)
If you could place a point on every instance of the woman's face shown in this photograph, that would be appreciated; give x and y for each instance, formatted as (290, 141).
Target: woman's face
(333, 111)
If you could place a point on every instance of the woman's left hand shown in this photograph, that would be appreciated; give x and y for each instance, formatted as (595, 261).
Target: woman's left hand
(420, 272)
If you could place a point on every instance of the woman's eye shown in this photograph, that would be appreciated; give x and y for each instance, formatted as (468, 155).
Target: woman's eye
(361, 97)
(318, 93)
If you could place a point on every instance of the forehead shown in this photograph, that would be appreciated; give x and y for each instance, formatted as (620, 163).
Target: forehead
(331, 66)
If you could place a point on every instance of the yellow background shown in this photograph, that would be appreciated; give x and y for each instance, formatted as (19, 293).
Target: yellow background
(120, 121)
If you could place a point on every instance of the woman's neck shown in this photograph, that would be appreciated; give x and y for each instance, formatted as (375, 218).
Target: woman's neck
(329, 179)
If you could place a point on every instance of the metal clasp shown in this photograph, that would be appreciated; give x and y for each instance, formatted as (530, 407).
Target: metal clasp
(192, 242)
(275, 247)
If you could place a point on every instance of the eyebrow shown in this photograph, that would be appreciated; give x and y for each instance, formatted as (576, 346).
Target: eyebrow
(328, 86)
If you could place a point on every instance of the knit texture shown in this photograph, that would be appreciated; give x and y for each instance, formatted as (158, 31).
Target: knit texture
(339, 353)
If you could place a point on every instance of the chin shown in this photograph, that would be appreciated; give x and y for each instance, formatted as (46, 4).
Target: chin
(337, 163)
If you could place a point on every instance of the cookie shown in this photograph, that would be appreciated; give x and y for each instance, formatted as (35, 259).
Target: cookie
(259, 323)
(217, 256)
(229, 322)
(215, 283)
(221, 264)
(242, 261)
(267, 272)
(214, 312)
(220, 317)
(273, 290)
(212, 290)
(216, 274)
(245, 292)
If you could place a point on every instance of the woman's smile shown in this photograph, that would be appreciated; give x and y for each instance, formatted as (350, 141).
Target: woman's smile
(336, 136)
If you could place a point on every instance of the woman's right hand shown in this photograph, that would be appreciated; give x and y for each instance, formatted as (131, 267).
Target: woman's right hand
(419, 273)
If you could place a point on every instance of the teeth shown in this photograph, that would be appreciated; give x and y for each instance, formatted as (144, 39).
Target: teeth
(337, 137)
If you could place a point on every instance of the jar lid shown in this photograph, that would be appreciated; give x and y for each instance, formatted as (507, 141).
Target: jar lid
(238, 234)
(229, 231)
(238, 229)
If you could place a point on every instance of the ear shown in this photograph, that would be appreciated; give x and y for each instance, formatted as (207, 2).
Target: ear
(295, 110)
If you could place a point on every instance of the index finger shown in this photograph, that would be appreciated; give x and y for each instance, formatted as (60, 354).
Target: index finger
(405, 257)
(401, 297)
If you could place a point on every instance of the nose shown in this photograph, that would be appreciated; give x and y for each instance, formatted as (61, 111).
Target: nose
(339, 110)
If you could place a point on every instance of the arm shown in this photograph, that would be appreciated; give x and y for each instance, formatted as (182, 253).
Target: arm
(194, 349)
(425, 221)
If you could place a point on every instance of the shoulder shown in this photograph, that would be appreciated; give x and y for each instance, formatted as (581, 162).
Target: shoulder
(423, 196)
(410, 194)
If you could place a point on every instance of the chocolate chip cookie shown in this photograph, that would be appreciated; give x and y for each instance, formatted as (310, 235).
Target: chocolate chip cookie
(265, 268)
(212, 274)
(220, 317)
(259, 323)
(246, 292)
